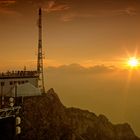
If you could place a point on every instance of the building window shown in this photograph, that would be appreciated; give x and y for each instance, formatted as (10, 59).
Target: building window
(2, 83)
(11, 82)
(26, 81)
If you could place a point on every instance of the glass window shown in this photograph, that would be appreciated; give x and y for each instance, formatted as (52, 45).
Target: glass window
(11, 82)
(2, 83)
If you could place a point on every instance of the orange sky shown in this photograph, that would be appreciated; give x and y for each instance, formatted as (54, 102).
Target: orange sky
(80, 31)
(101, 34)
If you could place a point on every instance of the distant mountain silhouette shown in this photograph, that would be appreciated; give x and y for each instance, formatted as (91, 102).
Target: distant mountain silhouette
(46, 118)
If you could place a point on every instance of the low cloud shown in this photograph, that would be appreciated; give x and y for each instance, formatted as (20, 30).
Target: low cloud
(100, 88)
(78, 69)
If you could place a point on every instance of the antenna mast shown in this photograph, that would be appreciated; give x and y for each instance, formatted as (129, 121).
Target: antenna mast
(40, 55)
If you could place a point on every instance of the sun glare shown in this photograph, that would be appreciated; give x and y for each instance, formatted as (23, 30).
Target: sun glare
(133, 62)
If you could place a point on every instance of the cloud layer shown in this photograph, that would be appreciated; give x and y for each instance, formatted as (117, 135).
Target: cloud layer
(100, 88)
(78, 69)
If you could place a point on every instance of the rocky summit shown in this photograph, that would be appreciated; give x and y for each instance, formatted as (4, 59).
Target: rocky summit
(46, 118)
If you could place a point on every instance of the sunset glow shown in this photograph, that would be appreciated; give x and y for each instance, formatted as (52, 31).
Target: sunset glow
(133, 62)
(91, 57)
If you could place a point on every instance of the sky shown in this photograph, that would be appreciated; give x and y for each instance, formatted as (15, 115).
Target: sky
(86, 44)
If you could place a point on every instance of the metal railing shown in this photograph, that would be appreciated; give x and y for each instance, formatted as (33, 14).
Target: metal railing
(18, 74)
(9, 112)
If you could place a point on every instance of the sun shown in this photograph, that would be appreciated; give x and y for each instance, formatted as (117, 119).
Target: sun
(133, 62)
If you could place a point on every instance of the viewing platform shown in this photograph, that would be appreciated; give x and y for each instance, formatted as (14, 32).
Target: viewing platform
(19, 74)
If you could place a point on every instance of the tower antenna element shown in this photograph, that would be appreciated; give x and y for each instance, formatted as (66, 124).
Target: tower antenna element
(40, 55)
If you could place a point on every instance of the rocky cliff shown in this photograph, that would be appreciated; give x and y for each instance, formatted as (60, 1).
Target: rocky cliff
(46, 118)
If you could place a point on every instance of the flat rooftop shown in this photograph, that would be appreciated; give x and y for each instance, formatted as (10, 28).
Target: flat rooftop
(19, 74)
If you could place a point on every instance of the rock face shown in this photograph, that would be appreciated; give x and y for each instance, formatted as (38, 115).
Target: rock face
(46, 118)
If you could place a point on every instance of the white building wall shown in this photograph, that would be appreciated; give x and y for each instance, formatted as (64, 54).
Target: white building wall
(6, 85)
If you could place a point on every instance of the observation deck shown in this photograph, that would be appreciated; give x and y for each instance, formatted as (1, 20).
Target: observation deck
(19, 74)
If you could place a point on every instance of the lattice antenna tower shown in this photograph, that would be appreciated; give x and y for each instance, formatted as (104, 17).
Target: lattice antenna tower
(40, 55)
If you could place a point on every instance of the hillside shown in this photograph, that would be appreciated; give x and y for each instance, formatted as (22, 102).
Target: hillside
(46, 118)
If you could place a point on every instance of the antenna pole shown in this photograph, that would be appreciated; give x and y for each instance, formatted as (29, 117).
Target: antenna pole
(40, 55)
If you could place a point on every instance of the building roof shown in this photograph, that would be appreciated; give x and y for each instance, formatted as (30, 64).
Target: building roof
(19, 74)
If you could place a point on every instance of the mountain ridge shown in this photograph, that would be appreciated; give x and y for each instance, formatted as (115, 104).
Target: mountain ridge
(46, 118)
